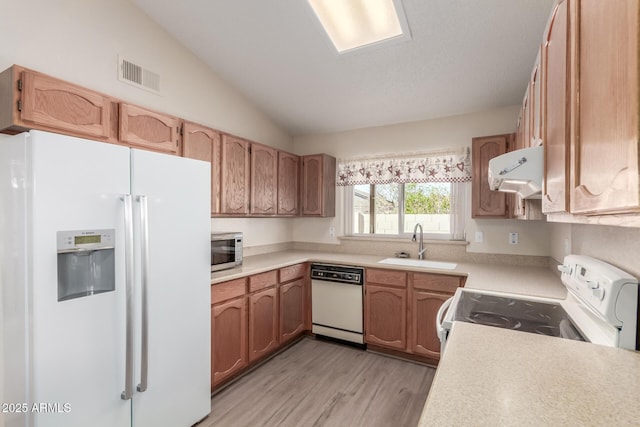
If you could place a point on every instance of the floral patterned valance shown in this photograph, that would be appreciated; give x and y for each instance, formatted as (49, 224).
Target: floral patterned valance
(443, 166)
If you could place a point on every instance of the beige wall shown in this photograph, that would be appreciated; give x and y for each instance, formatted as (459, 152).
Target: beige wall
(616, 245)
(79, 41)
(423, 135)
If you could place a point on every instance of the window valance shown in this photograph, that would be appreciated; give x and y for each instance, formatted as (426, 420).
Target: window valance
(453, 165)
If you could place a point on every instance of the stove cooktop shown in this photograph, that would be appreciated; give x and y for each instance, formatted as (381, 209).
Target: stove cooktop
(516, 314)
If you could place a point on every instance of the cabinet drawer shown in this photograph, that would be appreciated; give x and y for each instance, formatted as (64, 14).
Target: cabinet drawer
(262, 280)
(436, 282)
(387, 277)
(227, 290)
(292, 272)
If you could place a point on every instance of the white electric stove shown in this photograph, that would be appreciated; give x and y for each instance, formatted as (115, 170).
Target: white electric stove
(601, 307)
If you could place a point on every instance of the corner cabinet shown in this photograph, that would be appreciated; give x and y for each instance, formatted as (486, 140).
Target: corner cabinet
(202, 143)
(484, 202)
(319, 185)
(235, 178)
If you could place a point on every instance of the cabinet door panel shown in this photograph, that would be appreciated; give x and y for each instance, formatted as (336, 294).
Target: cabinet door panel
(229, 339)
(484, 202)
(556, 112)
(604, 168)
(148, 129)
(292, 309)
(263, 323)
(288, 179)
(386, 316)
(312, 185)
(60, 105)
(264, 180)
(234, 191)
(202, 143)
(424, 336)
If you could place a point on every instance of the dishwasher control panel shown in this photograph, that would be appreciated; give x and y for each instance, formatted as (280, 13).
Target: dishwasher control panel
(338, 273)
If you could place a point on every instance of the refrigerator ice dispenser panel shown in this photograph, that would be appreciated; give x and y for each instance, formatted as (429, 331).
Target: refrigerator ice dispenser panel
(86, 263)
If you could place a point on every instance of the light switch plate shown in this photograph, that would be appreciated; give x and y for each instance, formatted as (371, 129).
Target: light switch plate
(479, 237)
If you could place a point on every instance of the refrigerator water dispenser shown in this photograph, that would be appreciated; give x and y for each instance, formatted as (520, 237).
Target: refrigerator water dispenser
(86, 263)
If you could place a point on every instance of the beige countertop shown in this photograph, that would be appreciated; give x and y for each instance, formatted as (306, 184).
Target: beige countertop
(498, 377)
(520, 280)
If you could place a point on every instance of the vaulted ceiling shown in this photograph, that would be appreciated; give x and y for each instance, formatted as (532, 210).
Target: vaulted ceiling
(463, 56)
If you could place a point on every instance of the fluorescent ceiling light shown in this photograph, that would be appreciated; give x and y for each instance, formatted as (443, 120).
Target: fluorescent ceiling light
(354, 23)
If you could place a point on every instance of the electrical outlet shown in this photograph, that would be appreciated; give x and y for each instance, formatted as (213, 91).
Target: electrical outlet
(567, 249)
(479, 237)
(332, 232)
(513, 238)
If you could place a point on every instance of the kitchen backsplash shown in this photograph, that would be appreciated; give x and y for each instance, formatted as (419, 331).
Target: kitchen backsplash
(442, 251)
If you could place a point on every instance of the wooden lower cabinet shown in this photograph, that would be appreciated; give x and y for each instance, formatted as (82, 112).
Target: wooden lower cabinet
(263, 323)
(386, 316)
(401, 309)
(424, 338)
(292, 309)
(229, 339)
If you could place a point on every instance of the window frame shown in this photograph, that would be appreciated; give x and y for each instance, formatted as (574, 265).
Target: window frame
(458, 198)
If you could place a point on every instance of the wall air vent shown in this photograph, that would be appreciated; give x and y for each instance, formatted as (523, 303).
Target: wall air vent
(138, 76)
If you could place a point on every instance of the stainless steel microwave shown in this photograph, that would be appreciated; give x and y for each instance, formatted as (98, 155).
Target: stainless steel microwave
(226, 250)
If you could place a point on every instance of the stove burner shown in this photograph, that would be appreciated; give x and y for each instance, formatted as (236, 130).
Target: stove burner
(552, 331)
(492, 319)
(490, 299)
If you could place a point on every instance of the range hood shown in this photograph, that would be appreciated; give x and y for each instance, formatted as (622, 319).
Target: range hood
(518, 171)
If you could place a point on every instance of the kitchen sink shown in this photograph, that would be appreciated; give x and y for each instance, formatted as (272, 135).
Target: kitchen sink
(419, 263)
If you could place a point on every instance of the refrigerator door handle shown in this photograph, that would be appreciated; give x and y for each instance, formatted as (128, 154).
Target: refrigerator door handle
(129, 291)
(144, 250)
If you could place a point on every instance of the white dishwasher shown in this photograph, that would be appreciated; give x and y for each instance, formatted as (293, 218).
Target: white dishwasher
(336, 302)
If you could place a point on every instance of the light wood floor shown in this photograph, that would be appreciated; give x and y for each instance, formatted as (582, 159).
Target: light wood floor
(318, 383)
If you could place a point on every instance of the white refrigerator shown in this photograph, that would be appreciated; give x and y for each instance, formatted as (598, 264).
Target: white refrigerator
(105, 278)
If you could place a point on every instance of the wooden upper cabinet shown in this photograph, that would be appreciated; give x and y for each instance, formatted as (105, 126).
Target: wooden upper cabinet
(234, 186)
(288, 183)
(535, 90)
(604, 164)
(484, 202)
(202, 143)
(264, 180)
(148, 129)
(555, 61)
(32, 100)
(318, 185)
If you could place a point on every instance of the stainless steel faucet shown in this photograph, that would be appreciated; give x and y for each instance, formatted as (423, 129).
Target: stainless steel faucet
(421, 247)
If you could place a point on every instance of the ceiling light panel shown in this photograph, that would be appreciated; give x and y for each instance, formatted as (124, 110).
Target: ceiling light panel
(351, 24)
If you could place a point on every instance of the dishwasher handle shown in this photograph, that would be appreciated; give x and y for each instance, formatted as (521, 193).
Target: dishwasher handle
(442, 334)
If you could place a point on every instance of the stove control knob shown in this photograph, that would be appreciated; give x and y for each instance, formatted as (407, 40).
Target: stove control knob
(598, 293)
(592, 285)
(565, 269)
